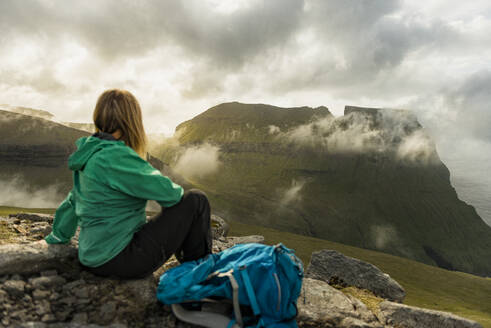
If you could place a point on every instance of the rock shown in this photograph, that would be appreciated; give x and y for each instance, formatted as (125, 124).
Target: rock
(223, 243)
(5, 322)
(16, 277)
(80, 318)
(40, 294)
(108, 311)
(35, 217)
(246, 239)
(405, 316)
(43, 307)
(40, 228)
(67, 325)
(356, 323)
(327, 265)
(46, 282)
(33, 325)
(14, 287)
(49, 273)
(321, 305)
(48, 318)
(82, 292)
(34, 257)
(219, 227)
(21, 315)
(3, 296)
(73, 285)
(142, 290)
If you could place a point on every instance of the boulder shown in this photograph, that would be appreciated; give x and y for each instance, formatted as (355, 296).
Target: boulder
(219, 227)
(44, 286)
(34, 257)
(404, 316)
(73, 298)
(321, 305)
(330, 265)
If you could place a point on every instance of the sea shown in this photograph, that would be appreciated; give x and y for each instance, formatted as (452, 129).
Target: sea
(471, 178)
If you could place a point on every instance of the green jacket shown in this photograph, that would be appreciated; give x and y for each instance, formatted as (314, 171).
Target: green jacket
(111, 186)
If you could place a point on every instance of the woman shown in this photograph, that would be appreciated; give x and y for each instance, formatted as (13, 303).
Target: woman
(112, 182)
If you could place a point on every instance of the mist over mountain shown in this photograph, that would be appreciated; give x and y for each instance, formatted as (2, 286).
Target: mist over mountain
(34, 153)
(371, 178)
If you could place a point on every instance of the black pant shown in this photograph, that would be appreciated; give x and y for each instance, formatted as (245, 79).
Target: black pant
(183, 229)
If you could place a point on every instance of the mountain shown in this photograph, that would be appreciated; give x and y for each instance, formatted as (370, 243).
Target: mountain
(371, 178)
(28, 111)
(35, 151)
(88, 127)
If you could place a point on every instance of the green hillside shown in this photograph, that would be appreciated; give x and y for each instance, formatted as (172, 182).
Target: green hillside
(371, 179)
(19, 129)
(426, 286)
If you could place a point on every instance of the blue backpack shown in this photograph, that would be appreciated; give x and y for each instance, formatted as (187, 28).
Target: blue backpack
(265, 279)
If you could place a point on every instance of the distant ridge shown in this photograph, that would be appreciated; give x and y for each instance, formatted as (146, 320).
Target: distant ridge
(373, 181)
(28, 111)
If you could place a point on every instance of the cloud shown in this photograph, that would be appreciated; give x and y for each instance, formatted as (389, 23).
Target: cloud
(273, 129)
(198, 161)
(418, 148)
(471, 105)
(180, 58)
(458, 114)
(357, 48)
(115, 29)
(292, 194)
(17, 192)
(43, 80)
(383, 236)
(387, 131)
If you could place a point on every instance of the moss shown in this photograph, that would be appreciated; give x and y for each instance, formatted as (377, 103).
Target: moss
(6, 210)
(367, 297)
(7, 235)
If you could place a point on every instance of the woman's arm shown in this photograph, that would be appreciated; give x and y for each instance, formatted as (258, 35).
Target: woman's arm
(65, 222)
(129, 173)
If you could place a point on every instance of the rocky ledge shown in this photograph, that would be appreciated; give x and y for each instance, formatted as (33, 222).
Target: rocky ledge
(43, 286)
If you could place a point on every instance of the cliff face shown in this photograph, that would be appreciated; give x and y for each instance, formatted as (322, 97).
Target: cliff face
(29, 140)
(371, 178)
(42, 155)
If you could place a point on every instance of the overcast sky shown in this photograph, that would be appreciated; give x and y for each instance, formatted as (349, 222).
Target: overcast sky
(182, 57)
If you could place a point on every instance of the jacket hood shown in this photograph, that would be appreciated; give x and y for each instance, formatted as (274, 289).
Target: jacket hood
(88, 146)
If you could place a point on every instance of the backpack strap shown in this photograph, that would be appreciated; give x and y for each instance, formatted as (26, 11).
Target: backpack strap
(250, 291)
(235, 291)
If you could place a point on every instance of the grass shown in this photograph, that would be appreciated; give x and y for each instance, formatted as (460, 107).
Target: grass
(426, 286)
(6, 234)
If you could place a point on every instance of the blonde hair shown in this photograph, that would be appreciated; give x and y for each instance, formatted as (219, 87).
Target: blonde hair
(118, 109)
